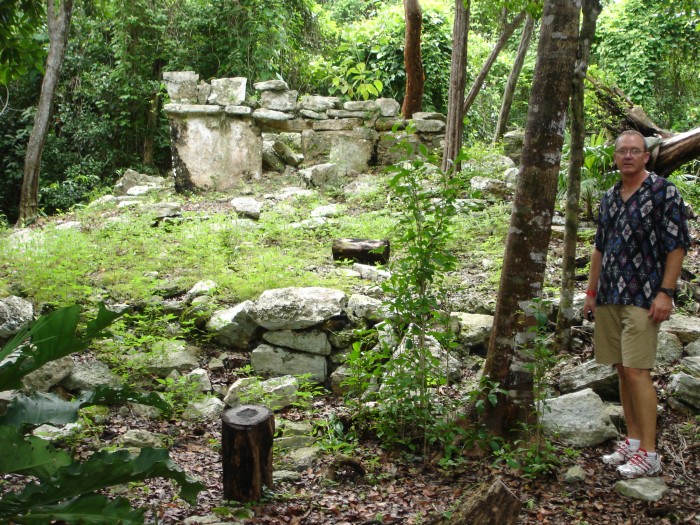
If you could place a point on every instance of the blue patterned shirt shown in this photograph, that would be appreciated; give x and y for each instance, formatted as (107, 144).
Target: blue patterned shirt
(634, 238)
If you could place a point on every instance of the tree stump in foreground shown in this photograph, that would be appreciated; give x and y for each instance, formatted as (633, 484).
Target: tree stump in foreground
(364, 251)
(246, 448)
(489, 505)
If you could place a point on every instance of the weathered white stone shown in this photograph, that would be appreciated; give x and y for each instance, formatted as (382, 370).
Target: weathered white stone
(167, 356)
(270, 114)
(345, 114)
(602, 379)
(360, 105)
(686, 328)
(285, 153)
(200, 378)
(89, 375)
(193, 110)
(686, 389)
(307, 113)
(199, 289)
(227, 91)
(473, 330)
(318, 103)
(295, 308)
(338, 377)
(266, 359)
(645, 489)
(304, 458)
(669, 349)
(693, 349)
(328, 210)
(388, 107)
(54, 434)
(208, 409)
(279, 100)
(275, 393)
(311, 342)
(575, 474)
(140, 438)
(15, 314)
(49, 375)
(365, 307)
(371, 273)
(429, 126)
(238, 111)
(271, 85)
(336, 124)
(579, 419)
(447, 362)
(181, 85)
(233, 326)
(247, 207)
(426, 115)
(491, 188)
(691, 365)
(211, 152)
(320, 175)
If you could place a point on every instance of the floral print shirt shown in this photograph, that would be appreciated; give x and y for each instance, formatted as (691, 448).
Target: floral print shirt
(634, 237)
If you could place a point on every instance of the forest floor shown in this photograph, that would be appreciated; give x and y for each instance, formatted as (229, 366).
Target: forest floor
(398, 488)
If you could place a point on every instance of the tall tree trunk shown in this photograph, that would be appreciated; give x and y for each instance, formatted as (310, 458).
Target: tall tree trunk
(509, 91)
(508, 30)
(59, 27)
(530, 225)
(591, 10)
(458, 81)
(415, 76)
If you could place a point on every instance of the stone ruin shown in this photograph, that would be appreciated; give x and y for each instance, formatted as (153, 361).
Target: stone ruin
(220, 138)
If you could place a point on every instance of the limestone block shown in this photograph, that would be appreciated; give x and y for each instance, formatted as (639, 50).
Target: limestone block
(214, 153)
(227, 91)
(360, 105)
(279, 100)
(350, 150)
(271, 85)
(181, 85)
(266, 359)
(15, 314)
(296, 308)
(270, 114)
(319, 104)
(311, 342)
(340, 124)
(388, 107)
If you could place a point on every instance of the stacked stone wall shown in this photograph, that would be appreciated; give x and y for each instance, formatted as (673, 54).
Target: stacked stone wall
(221, 138)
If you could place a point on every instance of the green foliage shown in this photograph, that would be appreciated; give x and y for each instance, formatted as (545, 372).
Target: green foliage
(66, 490)
(21, 38)
(369, 56)
(633, 37)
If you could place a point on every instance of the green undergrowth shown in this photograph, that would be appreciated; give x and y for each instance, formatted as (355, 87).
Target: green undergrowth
(127, 255)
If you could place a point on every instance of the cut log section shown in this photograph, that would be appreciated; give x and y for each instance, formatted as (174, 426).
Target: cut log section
(246, 448)
(364, 251)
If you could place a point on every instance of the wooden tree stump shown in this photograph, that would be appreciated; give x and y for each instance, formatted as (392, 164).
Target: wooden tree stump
(489, 505)
(246, 448)
(365, 251)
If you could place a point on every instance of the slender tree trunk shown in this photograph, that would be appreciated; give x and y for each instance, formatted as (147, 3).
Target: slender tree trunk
(458, 81)
(502, 41)
(415, 76)
(525, 256)
(591, 10)
(509, 92)
(59, 27)
(151, 129)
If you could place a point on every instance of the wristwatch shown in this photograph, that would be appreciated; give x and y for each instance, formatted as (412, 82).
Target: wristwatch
(668, 291)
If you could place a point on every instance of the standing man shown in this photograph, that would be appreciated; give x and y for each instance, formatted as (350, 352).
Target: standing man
(640, 243)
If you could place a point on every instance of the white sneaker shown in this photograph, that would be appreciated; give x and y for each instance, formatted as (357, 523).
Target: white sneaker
(622, 454)
(640, 465)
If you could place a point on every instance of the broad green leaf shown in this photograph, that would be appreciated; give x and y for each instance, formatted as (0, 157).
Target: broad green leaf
(43, 408)
(86, 510)
(103, 469)
(29, 455)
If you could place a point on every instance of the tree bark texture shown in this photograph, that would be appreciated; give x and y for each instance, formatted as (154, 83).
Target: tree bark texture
(508, 30)
(493, 504)
(246, 448)
(591, 10)
(59, 27)
(415, 75)
(512, 82)
(458, 81)
(530, 226)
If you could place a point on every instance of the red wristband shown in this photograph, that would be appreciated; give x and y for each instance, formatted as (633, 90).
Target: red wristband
(591, 293)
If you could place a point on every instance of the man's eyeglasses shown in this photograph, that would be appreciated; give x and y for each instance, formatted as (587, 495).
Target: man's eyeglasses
(635, 152)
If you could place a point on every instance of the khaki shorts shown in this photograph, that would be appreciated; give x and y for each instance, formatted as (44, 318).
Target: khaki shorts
(625, 334)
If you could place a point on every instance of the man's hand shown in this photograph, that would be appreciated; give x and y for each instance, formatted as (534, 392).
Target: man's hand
(661, 308)
(589, 308)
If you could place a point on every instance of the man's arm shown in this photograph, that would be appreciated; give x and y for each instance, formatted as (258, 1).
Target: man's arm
(661, 307)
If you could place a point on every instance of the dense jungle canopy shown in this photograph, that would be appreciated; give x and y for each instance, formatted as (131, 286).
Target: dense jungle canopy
(107, 115)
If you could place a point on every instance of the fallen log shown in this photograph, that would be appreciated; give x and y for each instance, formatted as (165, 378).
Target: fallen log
(246, 449)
